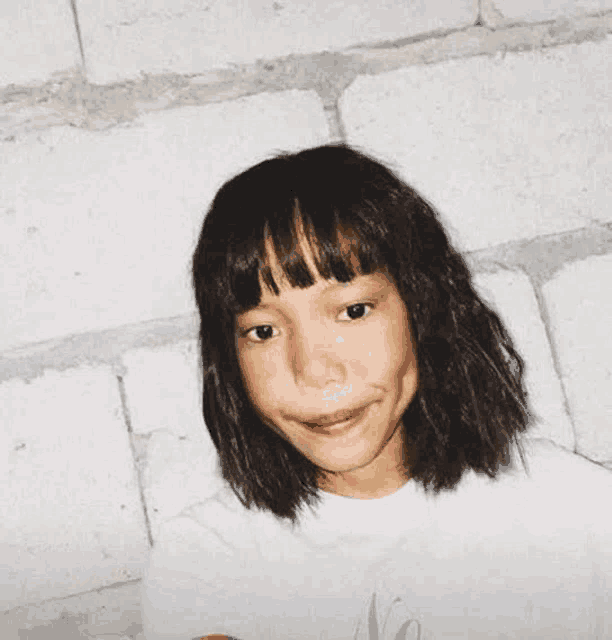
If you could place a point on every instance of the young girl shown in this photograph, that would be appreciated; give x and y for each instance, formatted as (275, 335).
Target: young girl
(366, 406)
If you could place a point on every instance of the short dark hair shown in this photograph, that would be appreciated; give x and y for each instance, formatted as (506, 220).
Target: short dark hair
(470, 404)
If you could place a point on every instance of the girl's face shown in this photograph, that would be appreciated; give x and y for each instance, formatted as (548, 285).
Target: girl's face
(310, 354)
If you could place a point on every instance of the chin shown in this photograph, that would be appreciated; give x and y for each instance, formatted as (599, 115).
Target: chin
(345, 464)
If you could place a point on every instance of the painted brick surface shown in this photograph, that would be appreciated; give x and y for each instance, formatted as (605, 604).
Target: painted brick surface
(541, 10)
(179, 472)
(579, 302)
(506, 148)
(72, 518)
(511, 295)
(109, 614)
(98, 227)
(123, 39)
(38, 39)
(163, 389)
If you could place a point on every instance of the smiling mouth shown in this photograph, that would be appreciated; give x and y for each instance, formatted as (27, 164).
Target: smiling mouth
(337, 418)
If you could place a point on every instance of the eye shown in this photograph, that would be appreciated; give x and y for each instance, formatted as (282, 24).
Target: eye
(258, 329)
(264, 331)
(357, 307)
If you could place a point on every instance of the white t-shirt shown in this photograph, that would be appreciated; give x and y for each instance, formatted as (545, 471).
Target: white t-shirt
(525, 555)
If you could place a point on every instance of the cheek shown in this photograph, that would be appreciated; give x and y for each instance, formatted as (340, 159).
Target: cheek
(390, 348)
(261, 381)
(259, 366)
(402, 362)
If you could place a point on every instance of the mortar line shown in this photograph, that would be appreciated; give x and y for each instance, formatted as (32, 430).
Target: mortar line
(606, 464)
(335, 124)
(128, 422)
(41, 603)
(341, 126)
(545, 317)
(252, 74)
(77, 26)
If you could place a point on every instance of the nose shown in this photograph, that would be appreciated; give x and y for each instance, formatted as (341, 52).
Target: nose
(317, 363)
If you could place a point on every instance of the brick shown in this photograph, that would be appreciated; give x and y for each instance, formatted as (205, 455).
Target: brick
(163, 388)
(579, 303)
(511, 295)
(38, 40)
(72, 516)
(163, 395)
(125, 39)
(507, 148)
(108, 614)
(98, 228)
(542, 10)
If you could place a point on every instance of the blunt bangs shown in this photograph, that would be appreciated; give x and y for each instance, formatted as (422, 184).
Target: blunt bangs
(335, 216)
(339, 252)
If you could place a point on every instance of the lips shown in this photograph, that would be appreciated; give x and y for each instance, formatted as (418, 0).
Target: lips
(334, 418)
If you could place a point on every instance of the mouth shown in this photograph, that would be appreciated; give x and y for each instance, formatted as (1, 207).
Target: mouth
(338, 421)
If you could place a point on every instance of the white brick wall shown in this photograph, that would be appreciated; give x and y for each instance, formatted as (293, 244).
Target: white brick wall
(511, 295)
(579, 299)
(507, 149)
(112, 614)
(124, 39)
(71, 513)
(37, 40)
(527, 11)
(103, 188)
(163, 389)
(98, 227)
